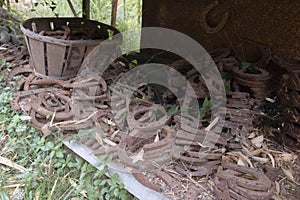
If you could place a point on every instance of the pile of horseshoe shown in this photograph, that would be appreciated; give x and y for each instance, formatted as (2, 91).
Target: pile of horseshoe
(290, 96)
(82, 107)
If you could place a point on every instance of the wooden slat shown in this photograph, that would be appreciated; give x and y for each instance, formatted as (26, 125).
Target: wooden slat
(56, 54)
(74, 60)
(89, 49)
(38, 55)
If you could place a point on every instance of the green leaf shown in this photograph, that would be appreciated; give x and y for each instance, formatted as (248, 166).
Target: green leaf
(59, 154)
(3, 195)
(116, 192)
(225, 75)
(202, 112)
(52, 154)
(103, 182)
(172, 111)
(104, 190)
(228, 88)
(121, 186)
(134, 61)
(245, 65)
(71, 164)
(206, 103)
(57, 165)
(107, 196)
(131, 66)
(48, 146)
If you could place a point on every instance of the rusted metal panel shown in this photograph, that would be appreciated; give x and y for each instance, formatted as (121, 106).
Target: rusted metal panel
(55, 59)
(273, 24)
(38, 55)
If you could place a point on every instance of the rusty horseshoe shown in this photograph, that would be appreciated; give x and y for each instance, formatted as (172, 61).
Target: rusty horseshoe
(204, 24)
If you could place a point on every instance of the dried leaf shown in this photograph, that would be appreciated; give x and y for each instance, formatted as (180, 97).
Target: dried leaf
(239, 156)
(9, 163)
(72, 182)
(276, 197)
(212, 124)
(257, 152)
(272, 159)
(138, 156)
(289, 174)
(258, 141)
(98, 138)
(270, 100)
(156, 138)
(108, 121)
(241, 162)
(45, 130)
(37, 195)
(260, 159)
(286, 157)
(245, 159)
(109, 142)
(83, 192)
(252, 135)
(277, 187)
(114, 134)
(13, 186)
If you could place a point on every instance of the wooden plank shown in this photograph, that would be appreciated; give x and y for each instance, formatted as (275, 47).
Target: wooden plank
(74, 60)
(37, 55)
(131, 184)
(88, 50)
(56, 55)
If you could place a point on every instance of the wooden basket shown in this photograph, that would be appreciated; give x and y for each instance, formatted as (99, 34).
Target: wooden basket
(60, 58)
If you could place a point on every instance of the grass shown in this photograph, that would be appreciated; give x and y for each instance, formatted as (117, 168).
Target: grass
(52, 172)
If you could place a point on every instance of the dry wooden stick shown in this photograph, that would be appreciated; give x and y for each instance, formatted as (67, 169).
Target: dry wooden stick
(72, 8)
(9, 163)
(114, 12)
